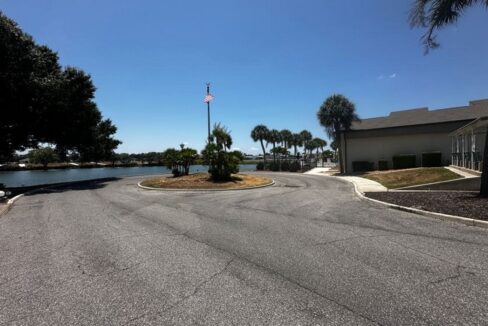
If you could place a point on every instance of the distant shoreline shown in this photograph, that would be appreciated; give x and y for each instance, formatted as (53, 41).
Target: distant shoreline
(64, 166)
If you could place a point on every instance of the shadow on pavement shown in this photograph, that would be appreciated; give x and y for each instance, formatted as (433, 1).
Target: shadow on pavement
(61, 187)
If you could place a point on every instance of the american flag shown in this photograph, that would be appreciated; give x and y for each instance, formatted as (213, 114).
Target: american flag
(208, 98)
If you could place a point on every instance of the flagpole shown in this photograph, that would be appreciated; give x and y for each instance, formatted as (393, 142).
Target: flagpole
(208, 110)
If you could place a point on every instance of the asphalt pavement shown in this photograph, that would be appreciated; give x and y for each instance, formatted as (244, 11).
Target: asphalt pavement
(305, 251)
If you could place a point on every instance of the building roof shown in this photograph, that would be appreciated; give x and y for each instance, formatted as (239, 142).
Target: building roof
(422, 116)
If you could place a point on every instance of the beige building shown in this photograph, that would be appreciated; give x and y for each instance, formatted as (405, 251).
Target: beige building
(457, 133)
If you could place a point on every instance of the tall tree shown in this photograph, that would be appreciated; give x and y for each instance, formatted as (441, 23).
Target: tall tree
(274, 137)
(43, 156)
(337, 114)
(306, 138)
(261, 133)
(319, 143)
(433, 15)
(286, 138)
(296, 141)
(42, 102)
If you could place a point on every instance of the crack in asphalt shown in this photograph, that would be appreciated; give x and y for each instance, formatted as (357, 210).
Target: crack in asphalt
(197, 288)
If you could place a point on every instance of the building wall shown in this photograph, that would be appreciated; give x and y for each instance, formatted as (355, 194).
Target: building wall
(373, 149)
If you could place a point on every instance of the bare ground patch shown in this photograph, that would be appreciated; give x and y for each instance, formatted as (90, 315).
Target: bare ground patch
(203, 181)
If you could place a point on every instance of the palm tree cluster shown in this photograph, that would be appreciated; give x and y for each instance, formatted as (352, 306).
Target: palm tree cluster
(282, 141)
(222, 164)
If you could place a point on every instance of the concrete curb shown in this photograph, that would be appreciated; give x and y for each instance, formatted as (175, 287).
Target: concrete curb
(198, 190)
(10, 202)
(439, 216)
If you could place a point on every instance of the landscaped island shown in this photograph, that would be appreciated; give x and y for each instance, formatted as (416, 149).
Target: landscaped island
(203, 181)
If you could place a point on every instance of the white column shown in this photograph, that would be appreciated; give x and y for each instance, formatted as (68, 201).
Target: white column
(473, 148)
(464, 150)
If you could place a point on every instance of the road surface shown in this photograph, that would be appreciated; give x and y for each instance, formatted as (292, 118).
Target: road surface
(306, 251)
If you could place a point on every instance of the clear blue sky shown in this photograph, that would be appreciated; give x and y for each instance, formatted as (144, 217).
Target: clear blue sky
(271, 62)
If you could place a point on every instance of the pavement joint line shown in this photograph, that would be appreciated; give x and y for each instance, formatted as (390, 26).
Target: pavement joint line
(202, 190)
(440, 216)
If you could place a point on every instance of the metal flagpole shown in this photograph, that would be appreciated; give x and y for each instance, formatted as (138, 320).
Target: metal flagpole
(208, 110)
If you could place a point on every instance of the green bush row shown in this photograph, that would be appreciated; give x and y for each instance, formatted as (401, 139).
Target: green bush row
(362, 166)
(406, 161)
(432, 159)
(289, 166)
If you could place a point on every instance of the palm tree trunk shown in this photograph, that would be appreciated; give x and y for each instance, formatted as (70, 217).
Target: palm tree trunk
(264, 153)
(274, 153)
(484, 170)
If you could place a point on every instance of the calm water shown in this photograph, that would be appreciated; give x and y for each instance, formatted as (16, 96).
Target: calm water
(37, 177)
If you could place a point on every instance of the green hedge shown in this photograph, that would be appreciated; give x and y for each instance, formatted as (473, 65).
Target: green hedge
(432, 159)
(360, 166)
(404, 161)
(382, 165)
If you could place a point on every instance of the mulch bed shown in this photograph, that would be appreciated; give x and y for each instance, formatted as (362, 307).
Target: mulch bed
(466, 204)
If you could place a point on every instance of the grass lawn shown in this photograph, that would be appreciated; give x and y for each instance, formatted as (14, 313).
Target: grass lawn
(410, 177)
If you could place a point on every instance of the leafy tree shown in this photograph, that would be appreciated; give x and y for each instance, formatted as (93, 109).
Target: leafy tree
(261, 133)
(40, 101)
(433, 15)
(102, 144)
(43, 156)
(336, 114)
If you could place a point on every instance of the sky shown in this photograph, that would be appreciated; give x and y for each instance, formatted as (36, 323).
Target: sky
(269, 62)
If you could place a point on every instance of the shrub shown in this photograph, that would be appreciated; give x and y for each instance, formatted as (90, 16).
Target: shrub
(360, 166)
(260, 166)
(382, 165)
(274, 166)
(432, 159)
(221, 165)
(295, 166)
(285, 166)
(405, 161)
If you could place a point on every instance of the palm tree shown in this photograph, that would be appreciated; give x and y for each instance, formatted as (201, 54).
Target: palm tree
(286, 136)
(337, 114)
(222, 137)
(306, 138)
(319, 143)
(296, 141)
(433, 15)
(261, 133)
(274, 137)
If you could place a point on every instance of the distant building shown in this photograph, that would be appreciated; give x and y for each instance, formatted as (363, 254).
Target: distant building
(457, 133)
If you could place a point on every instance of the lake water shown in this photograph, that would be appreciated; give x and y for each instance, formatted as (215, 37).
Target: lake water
(39, 177)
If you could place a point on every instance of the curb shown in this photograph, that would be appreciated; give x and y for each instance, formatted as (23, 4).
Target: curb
(10, 202)
(444, 217)
(192, 190)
